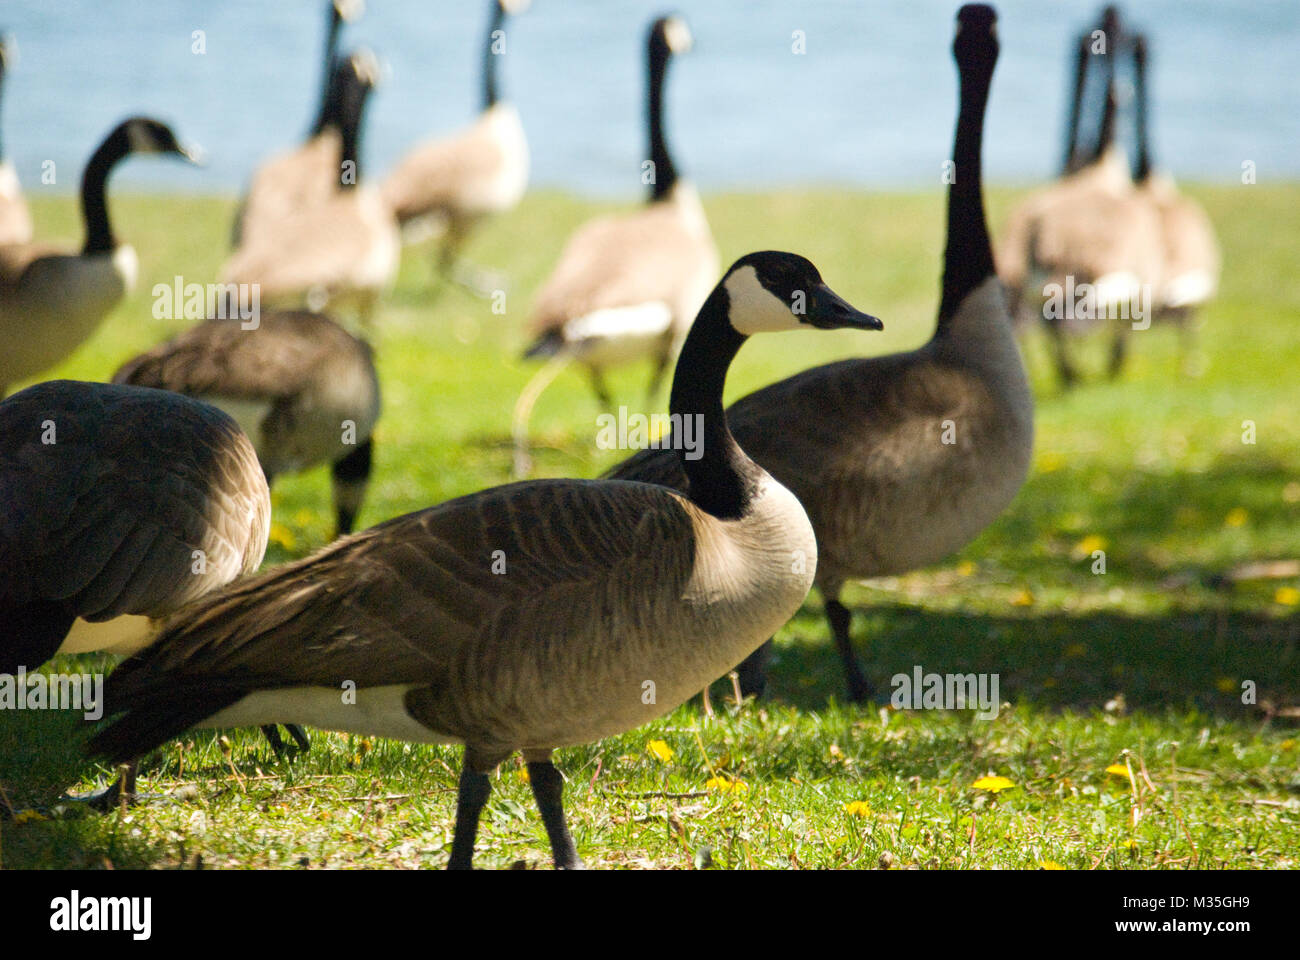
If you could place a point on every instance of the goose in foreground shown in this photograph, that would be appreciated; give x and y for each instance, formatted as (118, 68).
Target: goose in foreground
(456, 181)
(118, 506)
(626, 286)
(51, 301)
(15, 220)
(342, 248)
(1086, 248)
(900, 460)
(306, 175)
(303, 388)
(525, 617)
(1191, 251)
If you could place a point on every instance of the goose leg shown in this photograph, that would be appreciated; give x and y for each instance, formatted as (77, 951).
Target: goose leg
(1061, 351)
(472, 796)
(752, 672)
(1118, 350)
(602, 391)
(548, 790)
(272, 734)
(350, 476)
(839, 618)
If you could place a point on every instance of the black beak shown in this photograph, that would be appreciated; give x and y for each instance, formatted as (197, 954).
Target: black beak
(830, 311)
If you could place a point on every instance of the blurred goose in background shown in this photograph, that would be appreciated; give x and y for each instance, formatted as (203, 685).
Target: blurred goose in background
(308, 174)
(1090, 228)
(1191, 251)
(303, 389)
(613, 590)
(50, 302)
(627, 286)
(342, 248)
(15, 220)
(900, 460)
(448, 184)
(118, 506)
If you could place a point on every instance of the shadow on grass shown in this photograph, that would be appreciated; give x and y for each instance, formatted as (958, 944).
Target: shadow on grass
(1184, 660)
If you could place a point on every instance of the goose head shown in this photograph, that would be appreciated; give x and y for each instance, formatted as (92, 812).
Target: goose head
(975, 45)
(8, 53)
(146, 135)
(349, 10)
(670, 35)
(512, 7)
(771, 290)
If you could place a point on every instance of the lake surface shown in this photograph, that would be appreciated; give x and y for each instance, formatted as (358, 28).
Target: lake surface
(871, 102)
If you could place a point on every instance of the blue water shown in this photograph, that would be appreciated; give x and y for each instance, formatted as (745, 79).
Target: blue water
(870, 103)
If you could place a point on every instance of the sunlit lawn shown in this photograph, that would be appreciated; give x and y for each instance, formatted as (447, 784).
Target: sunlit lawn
(1138, 668)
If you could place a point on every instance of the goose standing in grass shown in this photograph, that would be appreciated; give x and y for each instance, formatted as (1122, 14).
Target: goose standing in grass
(626, 287)
(1091, 228)
(306, 175)
(454, 182)
(50, 302)
(118, 506)
(303, 388)
(342, 248)
(15, 220)
(1191, 251)
(900, 460)
(525, 617)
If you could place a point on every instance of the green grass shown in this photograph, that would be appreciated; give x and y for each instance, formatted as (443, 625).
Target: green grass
(1143, 664)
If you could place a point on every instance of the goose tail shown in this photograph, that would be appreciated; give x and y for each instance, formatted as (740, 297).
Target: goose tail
(149, 716)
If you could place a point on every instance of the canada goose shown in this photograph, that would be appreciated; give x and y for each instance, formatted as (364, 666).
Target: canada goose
(626, 286)
(306, 175)
(474, 173)
(1092, 228)
(50, 301)
(343, 247)
(303, 388)
(525, 617)
(15, 220)
(900, 460)
(118, 506)
(1191, 252)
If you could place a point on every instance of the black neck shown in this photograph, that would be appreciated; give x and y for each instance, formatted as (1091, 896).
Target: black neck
(325, 114)
(1106, 133)
(94, 207)
(723, 479)
(1142, 117)
(665, 174)
(1072, 148)
(353, 110)
(490, 92)
(968, 258)
(2, 84)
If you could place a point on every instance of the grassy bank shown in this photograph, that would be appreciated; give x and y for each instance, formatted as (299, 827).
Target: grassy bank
(1138, 669)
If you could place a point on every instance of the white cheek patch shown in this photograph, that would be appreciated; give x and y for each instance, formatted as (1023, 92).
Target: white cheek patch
(754, 308)
(678, 35)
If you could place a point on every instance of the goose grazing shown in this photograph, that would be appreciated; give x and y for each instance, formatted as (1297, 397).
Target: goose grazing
(900, 460)
(525, 617)
(626, 286)
(1191, 251)
(50, 301)
(15, 220)
(342, 248)
(303, 388)
(454, 182)
(118, 506)
(1090, 235)
(302, 177)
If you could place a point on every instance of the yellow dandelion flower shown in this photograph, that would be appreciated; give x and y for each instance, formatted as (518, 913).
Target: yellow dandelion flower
(1226, 685)
(522, 775)
(1089, 545)
(1022, 599)
(992, 784)
(660, 751)
(965, 568)
(1236, 517)
(283, 536)
(1118, 770)
(1287, 596)
(1050, 865)
(1287, 745)
(1129, 844)
(1050, 462)
(723, 785)
(858, 808)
